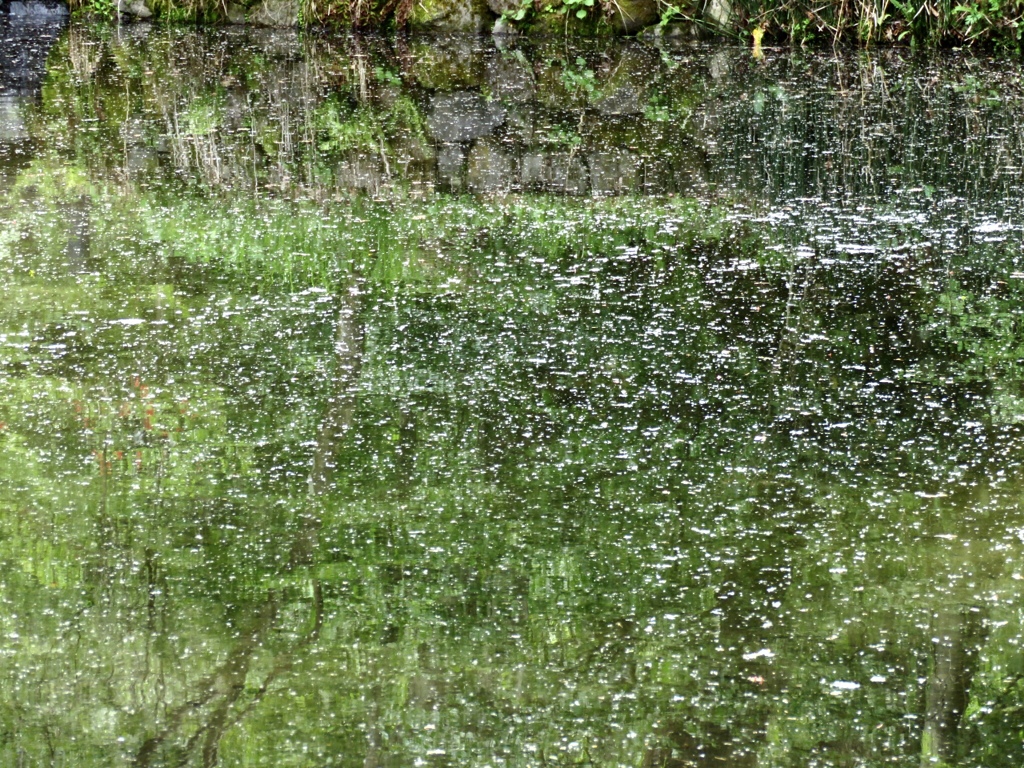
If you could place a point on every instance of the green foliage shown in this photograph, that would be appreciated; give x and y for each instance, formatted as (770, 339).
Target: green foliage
(578, 7)
(995, 20)
(529, 10)
(549, 14)
(345, 127)
(989, 23)
(578, 77)
(104, 9)
(519, 14)
(993, 23)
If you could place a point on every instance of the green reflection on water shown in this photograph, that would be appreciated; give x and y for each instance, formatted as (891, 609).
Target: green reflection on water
(308, 464)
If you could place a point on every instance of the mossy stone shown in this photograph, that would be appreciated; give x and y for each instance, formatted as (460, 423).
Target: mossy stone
(450, 15)
(630, 16)
(548, 23)
(235, 13)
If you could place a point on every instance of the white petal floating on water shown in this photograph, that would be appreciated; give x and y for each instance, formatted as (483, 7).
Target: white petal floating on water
(844, 685)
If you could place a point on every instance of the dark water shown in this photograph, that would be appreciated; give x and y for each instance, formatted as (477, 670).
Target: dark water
(408, 402)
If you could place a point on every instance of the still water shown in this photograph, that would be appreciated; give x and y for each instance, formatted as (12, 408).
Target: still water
(418, 402)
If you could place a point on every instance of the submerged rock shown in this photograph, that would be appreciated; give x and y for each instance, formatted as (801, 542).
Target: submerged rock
(510, 78)
(13, 127)
(27, 31)
(463, 116)
(451, 159)
(612, 171)
(557, 171)
(625, 86)
(489, 169)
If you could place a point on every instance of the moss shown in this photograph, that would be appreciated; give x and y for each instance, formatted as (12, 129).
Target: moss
(450, 15)
(779, 21)
(579, 18)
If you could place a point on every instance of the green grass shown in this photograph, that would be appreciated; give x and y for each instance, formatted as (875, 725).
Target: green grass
(931, 23)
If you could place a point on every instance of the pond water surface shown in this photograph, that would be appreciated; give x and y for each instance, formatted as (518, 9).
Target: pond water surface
(431, 402)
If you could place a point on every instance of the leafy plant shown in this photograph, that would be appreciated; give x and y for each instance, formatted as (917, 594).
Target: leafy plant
(579, 8)
(529, 9)
(579, 79)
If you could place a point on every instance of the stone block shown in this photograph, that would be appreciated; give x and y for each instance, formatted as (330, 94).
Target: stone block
(463, 116)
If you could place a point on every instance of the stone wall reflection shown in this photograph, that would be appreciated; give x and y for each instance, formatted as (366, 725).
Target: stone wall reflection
(28, 29)
(321, 117)
(326, 116)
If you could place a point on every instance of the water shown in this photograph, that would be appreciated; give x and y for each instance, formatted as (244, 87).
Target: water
(377, 402)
